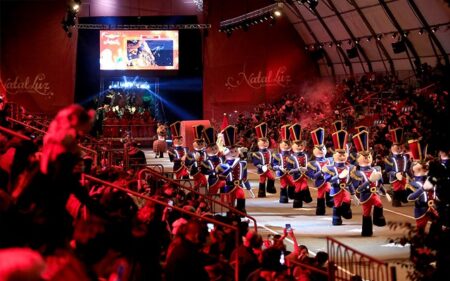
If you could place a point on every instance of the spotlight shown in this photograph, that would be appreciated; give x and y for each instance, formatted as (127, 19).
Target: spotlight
(306, 48)
(368, 38)
(338, 44)
(405, 34)
(330, 44)
(277, 13)
(356, 41)
(76, 7)
(379, 37)
(434, 29)
(420, 31)
(320, 46)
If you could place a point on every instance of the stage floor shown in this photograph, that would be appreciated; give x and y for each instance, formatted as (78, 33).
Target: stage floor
(312, 230)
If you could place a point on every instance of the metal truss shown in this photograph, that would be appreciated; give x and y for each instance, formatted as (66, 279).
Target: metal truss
(142, 26)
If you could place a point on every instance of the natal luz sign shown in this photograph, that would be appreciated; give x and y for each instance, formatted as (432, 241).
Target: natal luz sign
(29, 85)
(260, 79)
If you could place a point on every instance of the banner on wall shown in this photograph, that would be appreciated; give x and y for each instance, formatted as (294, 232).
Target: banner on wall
(259, 65)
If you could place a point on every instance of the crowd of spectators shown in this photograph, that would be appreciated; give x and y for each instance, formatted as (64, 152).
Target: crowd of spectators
(82, 230)
(380, 102)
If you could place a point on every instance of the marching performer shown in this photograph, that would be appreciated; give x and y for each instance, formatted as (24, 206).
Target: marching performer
(367, 181)
(397, 166)
(281, 165)
(338, 175)
(299, 161)
(212, 162)
(314, 171)
(425, 195)
(178, 153)
(196, 157)
(262, 160)
(234, 169)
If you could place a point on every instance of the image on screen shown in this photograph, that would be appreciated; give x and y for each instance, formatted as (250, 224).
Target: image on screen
(139, 50)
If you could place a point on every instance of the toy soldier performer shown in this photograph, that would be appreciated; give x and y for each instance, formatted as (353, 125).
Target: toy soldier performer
(299, 161)
(396, 167)
(281, 165)
(262, 160)
(338, 175)
(178, 153)
(314, 171)
(367, 181)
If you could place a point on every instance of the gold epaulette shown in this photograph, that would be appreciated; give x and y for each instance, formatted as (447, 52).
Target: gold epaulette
(275, 156)
(325, 170)
(388, 162)
(353, 174)
(290, 161)
(408, 186)
(254, 154)
(311, 166)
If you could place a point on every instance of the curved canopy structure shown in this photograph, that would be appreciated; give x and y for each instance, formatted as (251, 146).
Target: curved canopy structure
(360, 36)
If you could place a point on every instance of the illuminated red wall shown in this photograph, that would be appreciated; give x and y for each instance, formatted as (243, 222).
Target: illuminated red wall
(251, 67)
(37, 58)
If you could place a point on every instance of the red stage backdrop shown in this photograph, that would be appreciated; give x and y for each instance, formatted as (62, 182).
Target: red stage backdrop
(37, 57)
(249, 68)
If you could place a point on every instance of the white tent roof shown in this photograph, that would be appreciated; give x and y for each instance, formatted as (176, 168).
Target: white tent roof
(365, 20)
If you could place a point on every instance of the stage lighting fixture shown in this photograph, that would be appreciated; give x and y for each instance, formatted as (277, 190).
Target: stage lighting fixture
(312, 4)
(255, 17)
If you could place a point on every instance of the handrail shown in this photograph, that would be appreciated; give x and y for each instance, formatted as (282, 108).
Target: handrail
(328, 273)
(15, 134)
(134, 193)
(351, 262)
(204, 196)
(25, 125)
(139, 174)
(44, 132)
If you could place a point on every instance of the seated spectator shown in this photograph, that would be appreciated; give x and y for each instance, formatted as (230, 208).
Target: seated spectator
(248, 254)
(184, 261)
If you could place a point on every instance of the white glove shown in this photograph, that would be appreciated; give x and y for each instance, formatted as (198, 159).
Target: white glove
(355, 200)
(343, 174)
(264, 168)
(375, 176)
(303, 169)
(399, 176)
(196, 156)
(388, 197)
(428, 185)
